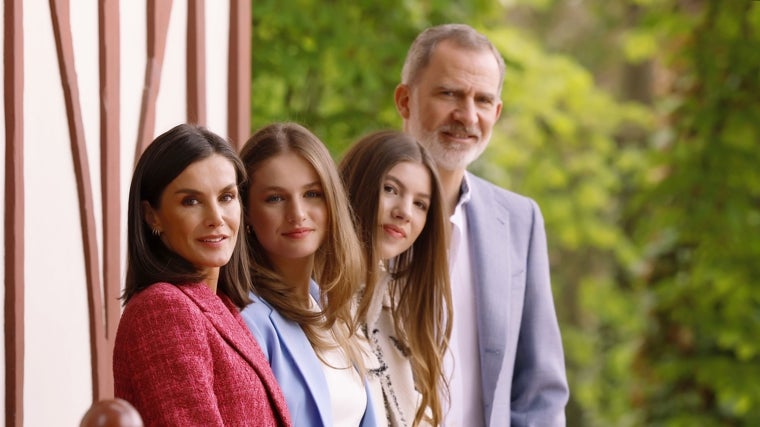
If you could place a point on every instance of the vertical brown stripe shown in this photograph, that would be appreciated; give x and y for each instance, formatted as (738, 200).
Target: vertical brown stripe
(110, 178)
(159, 12)
(196, 62)
(13, 68)
(64, 46)
(239, 73)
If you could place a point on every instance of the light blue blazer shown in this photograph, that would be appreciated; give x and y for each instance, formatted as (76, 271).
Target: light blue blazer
(521, 356)
(295, 365)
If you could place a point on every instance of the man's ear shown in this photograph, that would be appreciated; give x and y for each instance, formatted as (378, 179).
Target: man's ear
(401, 97)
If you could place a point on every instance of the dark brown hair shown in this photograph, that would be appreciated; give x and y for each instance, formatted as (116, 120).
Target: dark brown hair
(148, 260)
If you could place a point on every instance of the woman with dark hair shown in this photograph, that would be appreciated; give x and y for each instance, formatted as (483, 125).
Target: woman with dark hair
(182, 354)
(405, 306)
(306, 265)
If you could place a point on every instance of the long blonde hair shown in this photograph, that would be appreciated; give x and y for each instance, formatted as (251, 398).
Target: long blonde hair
(338, 263)
(420, 275)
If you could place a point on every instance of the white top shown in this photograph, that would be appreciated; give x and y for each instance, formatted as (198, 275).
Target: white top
(462, 363)
(347, 396)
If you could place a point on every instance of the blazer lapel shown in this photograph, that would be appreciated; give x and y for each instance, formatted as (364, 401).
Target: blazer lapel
(219, 312)
(492, 271)
(294, 341)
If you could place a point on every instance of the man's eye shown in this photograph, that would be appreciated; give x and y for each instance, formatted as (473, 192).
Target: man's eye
(190, 201)
(274, 199)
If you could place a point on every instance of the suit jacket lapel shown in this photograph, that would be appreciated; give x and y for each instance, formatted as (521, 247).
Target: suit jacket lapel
(294, 342)
(306, 362)
(218, 311)
(492, 271)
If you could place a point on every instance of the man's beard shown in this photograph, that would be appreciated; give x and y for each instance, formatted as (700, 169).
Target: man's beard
(449, 155)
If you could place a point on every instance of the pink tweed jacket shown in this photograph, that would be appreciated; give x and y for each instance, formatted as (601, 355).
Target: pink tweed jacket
(184, 357)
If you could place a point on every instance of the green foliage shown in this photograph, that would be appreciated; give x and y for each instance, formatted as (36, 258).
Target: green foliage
(697, 220)
(331, 67)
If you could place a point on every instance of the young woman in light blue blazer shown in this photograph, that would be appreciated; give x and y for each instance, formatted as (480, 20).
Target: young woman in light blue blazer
(307, 265)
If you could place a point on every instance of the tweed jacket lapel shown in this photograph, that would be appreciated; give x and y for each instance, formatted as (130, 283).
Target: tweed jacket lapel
(223, 315)
(491, 261)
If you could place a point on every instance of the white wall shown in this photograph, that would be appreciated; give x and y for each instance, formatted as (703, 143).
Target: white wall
(217, 48)
(56, 339)
(57, 387)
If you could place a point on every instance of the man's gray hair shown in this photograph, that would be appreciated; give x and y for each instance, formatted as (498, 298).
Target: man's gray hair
(462, 35)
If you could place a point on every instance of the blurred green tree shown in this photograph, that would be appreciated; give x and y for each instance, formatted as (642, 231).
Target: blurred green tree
(698, 219)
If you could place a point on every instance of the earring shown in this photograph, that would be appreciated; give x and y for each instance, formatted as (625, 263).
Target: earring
(156, 232)
(248, 229)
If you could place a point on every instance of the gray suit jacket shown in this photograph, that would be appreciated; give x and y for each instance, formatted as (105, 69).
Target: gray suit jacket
(521, 356)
